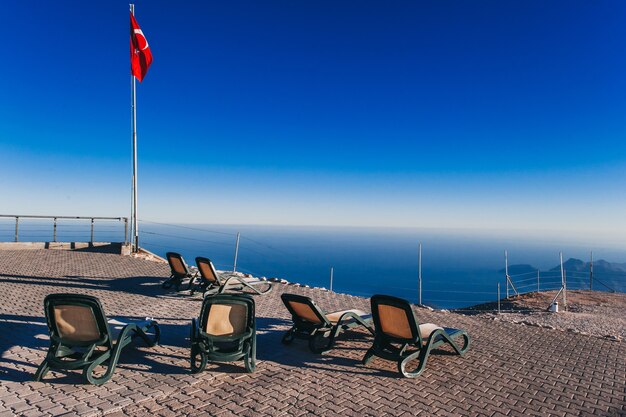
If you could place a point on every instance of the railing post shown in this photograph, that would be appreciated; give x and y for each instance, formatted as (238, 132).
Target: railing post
(236, 253)
(17, 222)
(126, 230)
(54, 233)
(331, 278)
(91, 231)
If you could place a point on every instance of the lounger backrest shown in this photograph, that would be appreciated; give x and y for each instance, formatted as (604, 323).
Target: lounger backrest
(227, 320)
(177, 264)
(303, 309)
(207, 270)
(76, 318)
(394, 318)
(227, 314)
(394, 321)
(76, 323)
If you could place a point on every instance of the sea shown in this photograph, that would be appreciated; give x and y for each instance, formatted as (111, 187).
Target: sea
(459, 268)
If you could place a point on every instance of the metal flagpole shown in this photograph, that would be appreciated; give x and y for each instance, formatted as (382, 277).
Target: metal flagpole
(134, 225)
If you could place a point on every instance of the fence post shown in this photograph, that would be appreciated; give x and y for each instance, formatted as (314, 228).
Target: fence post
(591, 272)
(236, 253)
(17, 222)
(54, 233)
(331, 278)
(498, 298)
(563, 282)
(506, 272)
(419, 275)
(91, 231)
(125, 230)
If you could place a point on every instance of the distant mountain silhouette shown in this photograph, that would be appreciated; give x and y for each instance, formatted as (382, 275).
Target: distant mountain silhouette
(572, 264)
(599, 266)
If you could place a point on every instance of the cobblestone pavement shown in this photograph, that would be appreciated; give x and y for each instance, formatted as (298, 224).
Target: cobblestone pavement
(510, 369)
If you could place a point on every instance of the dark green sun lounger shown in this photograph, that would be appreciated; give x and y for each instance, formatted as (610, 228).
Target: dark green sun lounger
(80, 337)
(179, 273)
(399, 337)
(213, 283)
(224, 332)
(311, 323)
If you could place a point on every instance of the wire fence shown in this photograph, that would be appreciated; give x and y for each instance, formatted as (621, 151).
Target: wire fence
(460, 294)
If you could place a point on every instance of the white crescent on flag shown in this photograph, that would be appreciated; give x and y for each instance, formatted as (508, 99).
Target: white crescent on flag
(139, 32)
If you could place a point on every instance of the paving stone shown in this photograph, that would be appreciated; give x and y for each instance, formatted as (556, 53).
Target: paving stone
(510, 369)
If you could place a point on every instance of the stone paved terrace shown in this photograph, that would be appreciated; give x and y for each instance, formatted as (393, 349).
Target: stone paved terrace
(509, 370)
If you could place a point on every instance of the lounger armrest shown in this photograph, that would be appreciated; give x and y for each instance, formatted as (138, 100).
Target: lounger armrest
(350, 318)
(453, 332)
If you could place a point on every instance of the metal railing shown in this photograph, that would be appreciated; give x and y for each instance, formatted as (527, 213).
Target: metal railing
(55, 219)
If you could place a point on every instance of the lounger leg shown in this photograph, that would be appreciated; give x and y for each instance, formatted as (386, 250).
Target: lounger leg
(319, 343)
(198, 358)
(455, 346)
(288, 337)
(42, 370)
(423, 358)
(88, 375)
(249, 358)
(368, 356)
(112, 357)
(141, 332)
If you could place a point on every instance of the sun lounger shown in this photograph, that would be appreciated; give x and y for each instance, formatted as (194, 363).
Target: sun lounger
(399, 337)
(311, 323)
(214, 283)
(180, 273)
(224, 332)
(80, 337)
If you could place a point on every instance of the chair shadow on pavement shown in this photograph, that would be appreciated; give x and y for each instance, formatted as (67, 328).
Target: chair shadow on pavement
(344, 357)
(21, 346)
(149, 286)
(24, 342)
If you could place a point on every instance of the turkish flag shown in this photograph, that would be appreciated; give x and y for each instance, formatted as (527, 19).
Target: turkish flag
(140, 55)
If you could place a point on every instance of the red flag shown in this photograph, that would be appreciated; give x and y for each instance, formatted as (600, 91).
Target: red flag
(140, 55)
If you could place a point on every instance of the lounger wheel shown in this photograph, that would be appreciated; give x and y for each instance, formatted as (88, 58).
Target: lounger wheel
(320, 342)
(198, 359)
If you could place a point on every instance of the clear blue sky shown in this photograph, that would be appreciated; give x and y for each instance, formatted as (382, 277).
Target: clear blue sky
(482, 114)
